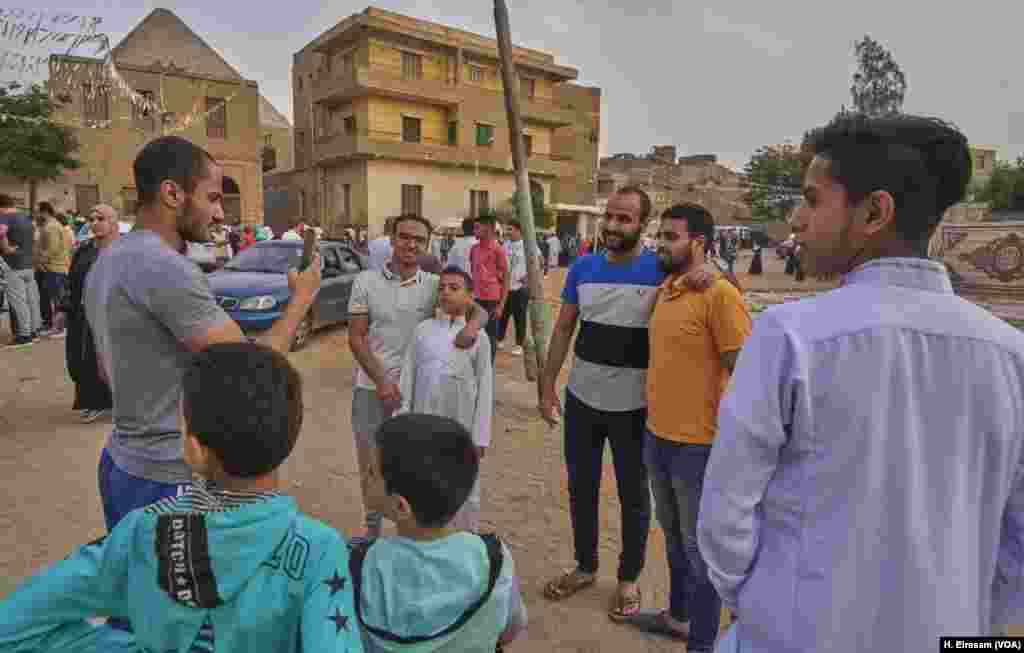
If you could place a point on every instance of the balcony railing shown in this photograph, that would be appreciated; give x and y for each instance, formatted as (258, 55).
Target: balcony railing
(390, 145)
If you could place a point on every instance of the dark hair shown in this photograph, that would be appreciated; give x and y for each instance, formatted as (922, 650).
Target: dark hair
(516, 224)
(243, 401)
(429, 460)
(169, 157)
(487, 219)
(410, 217)
(924, 163)
(46, 207)
(699, 221)
(645, 199)
(467, 226)
(454, 269)
(6, 201)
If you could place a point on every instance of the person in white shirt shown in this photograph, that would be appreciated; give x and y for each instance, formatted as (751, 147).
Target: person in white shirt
(554, 249)
(440, 379)
(459, 254)
(518, 293)
(380, 247)
(866, 488)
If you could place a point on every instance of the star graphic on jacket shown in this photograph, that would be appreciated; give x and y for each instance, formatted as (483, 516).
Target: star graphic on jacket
(336, 583)
(340, 620)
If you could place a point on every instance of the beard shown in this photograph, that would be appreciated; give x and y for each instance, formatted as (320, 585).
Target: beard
(670, 265)
(626, 242)
(190, 227)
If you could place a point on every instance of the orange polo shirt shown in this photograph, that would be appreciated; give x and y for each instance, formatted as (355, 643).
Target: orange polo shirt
(689, 331)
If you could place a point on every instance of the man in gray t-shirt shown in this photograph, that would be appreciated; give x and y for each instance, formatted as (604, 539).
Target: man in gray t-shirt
(150, 307)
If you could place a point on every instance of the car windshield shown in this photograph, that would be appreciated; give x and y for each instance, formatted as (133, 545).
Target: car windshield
(274, 259)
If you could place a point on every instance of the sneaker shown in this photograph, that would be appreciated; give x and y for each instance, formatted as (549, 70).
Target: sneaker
(91, 416)
(516, 351)
(57, 334)
(20, 342)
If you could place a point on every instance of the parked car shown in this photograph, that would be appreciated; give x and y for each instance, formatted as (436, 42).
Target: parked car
(253, 286)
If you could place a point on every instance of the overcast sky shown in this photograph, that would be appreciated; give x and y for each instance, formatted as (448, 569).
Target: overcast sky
(722, 80)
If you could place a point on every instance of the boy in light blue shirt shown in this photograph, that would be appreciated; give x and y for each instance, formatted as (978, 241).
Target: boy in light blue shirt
(232, 565)
(432, 588)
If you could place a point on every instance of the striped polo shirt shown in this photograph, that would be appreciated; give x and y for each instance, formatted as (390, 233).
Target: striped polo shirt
(612, 348)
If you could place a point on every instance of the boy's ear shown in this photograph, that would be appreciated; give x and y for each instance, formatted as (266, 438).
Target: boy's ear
(403, 509)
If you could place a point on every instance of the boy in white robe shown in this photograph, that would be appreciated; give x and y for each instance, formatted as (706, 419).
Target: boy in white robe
(440, 379)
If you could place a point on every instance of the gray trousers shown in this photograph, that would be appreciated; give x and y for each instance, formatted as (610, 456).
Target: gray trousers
(23, 296)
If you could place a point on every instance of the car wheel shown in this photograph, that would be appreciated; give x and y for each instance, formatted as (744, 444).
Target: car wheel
(303, 332)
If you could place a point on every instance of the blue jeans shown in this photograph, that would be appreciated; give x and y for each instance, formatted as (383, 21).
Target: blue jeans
(121, 493)
(677, 479)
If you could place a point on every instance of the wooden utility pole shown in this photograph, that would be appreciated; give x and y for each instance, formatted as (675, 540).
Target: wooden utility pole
(535, 356)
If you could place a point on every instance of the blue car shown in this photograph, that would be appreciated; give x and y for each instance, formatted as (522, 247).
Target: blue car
(253, 286)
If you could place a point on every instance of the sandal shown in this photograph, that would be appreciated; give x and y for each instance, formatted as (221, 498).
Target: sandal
(625, 606)
(568, 584)
(655, 623)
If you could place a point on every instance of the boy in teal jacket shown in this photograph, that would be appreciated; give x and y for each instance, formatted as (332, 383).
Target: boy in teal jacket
(232, 565)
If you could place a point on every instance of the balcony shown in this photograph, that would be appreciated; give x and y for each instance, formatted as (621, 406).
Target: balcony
(364, 144)
(338, 87)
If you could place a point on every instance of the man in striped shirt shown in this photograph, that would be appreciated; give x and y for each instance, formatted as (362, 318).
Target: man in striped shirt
(611, 295)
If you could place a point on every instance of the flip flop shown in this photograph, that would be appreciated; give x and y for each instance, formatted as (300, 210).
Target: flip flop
(655, 623)
(624, 607)
(568, 584)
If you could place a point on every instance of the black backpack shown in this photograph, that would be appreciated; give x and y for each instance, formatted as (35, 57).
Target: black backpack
(357, 555)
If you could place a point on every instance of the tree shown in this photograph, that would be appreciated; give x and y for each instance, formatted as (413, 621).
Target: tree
(32, 147)
(1005, 188)
(775, 175)
(542, 216)
(879, 85)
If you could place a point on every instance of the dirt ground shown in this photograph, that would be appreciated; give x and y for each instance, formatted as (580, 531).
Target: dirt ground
(50, 501)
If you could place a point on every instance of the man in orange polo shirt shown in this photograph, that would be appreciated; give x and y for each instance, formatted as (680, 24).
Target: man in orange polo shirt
(695, 337)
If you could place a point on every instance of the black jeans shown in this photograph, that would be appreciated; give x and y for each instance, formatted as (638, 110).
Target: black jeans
(492, 324)
(45, 300)
(515, 309)
(586, 430)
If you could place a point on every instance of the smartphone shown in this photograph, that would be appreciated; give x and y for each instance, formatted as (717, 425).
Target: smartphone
(308, 249)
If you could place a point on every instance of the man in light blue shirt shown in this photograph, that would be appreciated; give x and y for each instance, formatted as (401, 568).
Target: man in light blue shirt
(865, 492)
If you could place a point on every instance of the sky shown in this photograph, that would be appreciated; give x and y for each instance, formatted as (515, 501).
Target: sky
(723, 80)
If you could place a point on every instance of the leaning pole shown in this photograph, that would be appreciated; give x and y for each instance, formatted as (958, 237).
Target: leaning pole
(535, 355)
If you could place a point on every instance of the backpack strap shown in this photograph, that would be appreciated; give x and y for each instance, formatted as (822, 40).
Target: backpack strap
(357, 555)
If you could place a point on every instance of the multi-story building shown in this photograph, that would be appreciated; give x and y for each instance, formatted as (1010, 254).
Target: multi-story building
(189, 89)
(278, 143)
(670, 180)
(984, 159)
(394, 115)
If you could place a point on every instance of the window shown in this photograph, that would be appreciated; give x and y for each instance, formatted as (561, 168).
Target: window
(300, 147)
(268, 140)
(412, 200)
(217, 118)
(410, 129)
(453, 133)
(95, 105)
(349, 124)
(479, 203)
(412, 66)
(528, 144)
(298, 82)
(527, 87)
(142, 108)
(484, 134)
(347, 65)
(476, 74)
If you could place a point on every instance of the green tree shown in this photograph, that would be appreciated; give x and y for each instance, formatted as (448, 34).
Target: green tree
(775, 175)
(879, 86)
(1005, 188)
(32, 147)
(542, 216)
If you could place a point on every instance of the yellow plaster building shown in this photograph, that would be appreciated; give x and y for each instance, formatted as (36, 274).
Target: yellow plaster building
(399, 115)
(203, 97)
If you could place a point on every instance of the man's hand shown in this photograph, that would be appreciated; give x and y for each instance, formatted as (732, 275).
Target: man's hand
(390, 395)
(550, 408)
(700, 278)
(481, 452)
(466, 338)
(305, 285)
(499, 311)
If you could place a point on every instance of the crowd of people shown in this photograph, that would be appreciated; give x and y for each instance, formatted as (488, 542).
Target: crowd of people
(844, 474)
